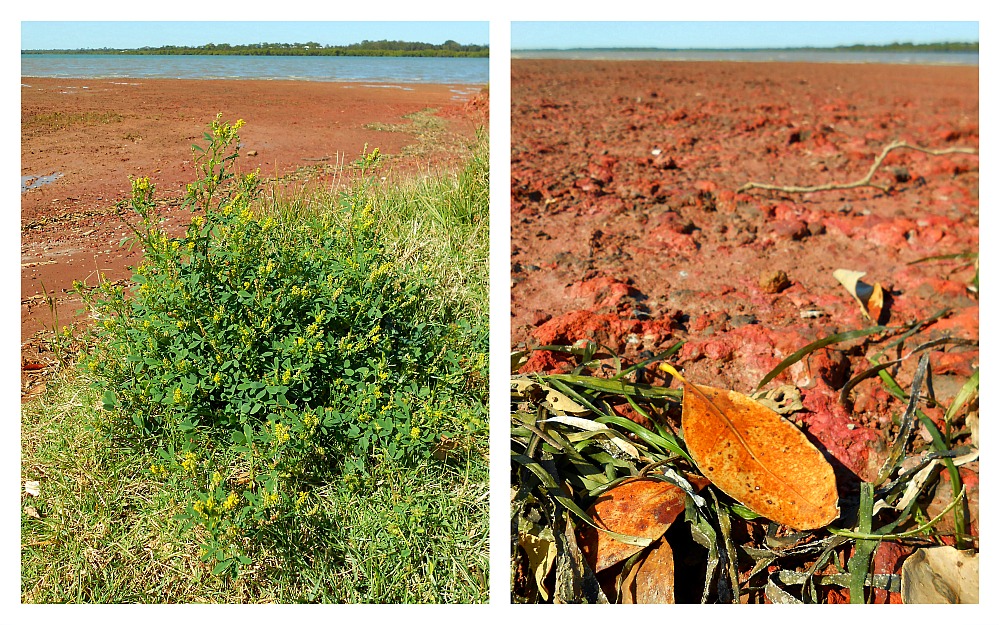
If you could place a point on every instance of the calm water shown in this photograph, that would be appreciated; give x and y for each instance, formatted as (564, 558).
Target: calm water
(434, 70)
(905, 58)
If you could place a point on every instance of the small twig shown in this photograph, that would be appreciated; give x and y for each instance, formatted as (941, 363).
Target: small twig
(866, 181)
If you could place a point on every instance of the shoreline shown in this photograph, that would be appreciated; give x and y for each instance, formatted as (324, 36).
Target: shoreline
(292, 79)
(611, 59)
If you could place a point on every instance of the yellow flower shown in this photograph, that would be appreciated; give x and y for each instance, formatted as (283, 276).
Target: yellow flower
(231, 501)
(189, 462)
(140, 187)
(301, 499)
(281, 433)
(269, 499)
(414, 432)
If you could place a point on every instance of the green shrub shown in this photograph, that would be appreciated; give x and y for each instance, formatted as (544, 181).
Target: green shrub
(261, 354)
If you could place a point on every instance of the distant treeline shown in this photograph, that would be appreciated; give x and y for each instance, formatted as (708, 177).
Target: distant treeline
(949, 46)
(365, 48)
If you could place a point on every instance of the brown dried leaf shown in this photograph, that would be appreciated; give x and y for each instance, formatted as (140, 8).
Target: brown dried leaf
(651, 580)
(445, 448)
(643, 507)
(758, 458)
(559, 403)
(539, 545)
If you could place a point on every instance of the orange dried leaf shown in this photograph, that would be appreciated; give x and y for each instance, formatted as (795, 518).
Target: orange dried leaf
(876, 303)
(643, 507)
(757, 457)
(652, 579)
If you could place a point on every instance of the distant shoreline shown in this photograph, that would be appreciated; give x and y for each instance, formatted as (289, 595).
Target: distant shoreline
(366, 48)
(782, 55)
(943, 47)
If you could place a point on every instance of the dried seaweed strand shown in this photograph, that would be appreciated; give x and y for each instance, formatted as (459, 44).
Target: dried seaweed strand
(866, 181)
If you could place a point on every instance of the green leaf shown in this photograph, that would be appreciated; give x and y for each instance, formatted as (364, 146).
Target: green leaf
(860, 563)
(109, 401)
(222, 567)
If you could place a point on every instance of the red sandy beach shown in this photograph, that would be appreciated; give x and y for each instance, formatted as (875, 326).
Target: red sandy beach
(96, 134)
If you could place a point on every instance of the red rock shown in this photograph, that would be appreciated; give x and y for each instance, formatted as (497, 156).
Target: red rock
(892, 233)
(859, 449)
(963, 323)
(930, 236)
(600, 173)
(546, 362)
(666, 238)
(600, 293)
(726, 201)
(789, 229)
(719, 350)
(608, 329)
(842, 225)
(701, 322)
(956, 363)
(838, 596)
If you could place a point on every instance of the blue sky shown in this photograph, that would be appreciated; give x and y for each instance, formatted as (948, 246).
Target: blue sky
(561, 35)
(78, 35)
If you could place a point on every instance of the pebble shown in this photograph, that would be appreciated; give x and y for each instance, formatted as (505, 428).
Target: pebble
(773, 281)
